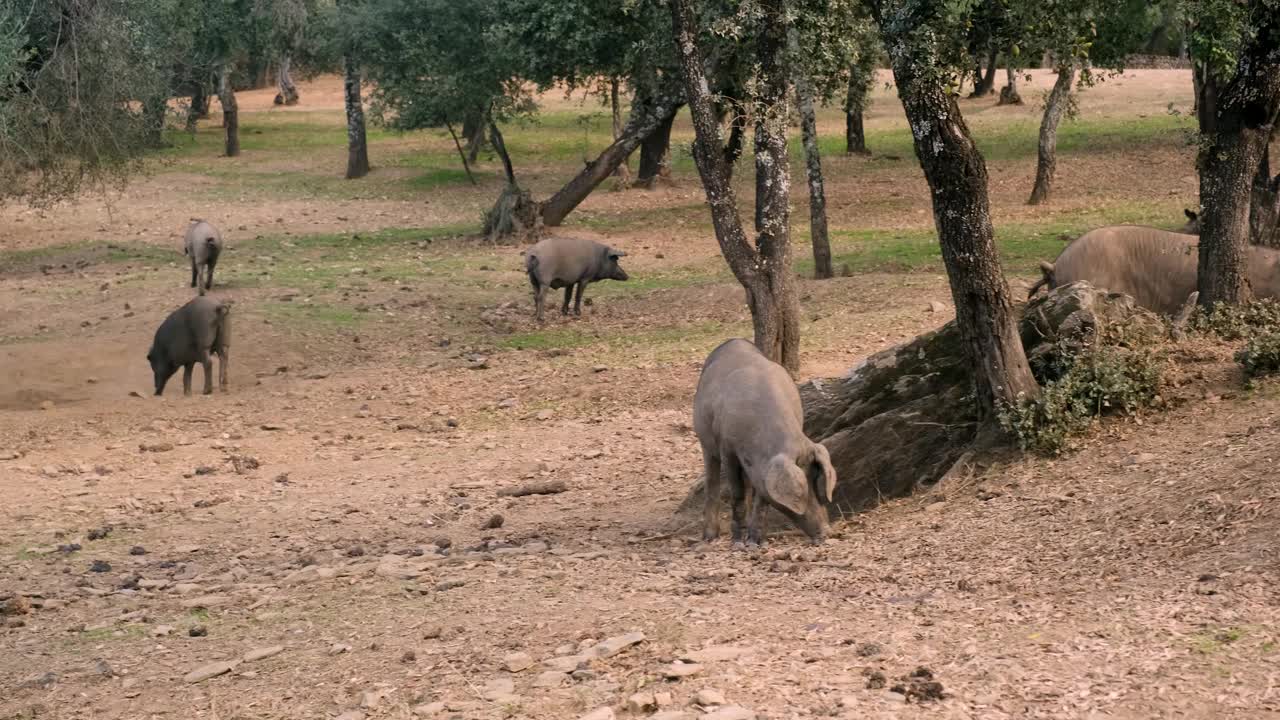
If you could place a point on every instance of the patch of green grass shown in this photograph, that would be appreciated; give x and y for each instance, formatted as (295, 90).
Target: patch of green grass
(549, 338)
(301, 314)
(1211, 641)
(126, 632)
(198, 615)
(86, 251)
(444, 176)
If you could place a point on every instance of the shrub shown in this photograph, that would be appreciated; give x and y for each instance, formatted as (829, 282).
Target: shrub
(1233, 322)
(1261, 355)
(1100, 381)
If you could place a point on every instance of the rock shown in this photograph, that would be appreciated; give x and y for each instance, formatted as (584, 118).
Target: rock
(642, 702)
(161, 630)
(392, 566)
(731, 712)
(679, 670)
(211, 670)
(936, 307)
(262, 653)
(99, 533)
(603, 713)
(339, 648)
(614, 645)
(48, 404)
(549, 679)
(198, 631)
(452, 422)
(544, 415)
(100, 566)
(443, 542)
(494, 522)
(499, 690)
(447, 585)
(156, 447)
(936, 507)
(716, 653)
(137, 550)
(564, 664)
(307, 574)
(707, 697)
(433, 632)
(599, 368)
(517, 662)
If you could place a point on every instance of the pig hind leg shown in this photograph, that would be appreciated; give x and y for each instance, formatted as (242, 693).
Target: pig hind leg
(186, 378)
(738, 494)
(568, 295)
(539, 295)
(207, 363)
(208, 278)
(711, 504)
(195, 273)
(577, 299)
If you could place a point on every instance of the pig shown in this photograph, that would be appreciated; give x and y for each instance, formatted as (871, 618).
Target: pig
(1193, 223)
(749, 422)
(187, 337)
(561, 262)
(1157, 268)
(203, 245)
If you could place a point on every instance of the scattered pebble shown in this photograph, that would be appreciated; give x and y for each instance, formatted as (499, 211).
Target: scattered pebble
(198, 631)
(211, 670)
(263, 653)
(708, 697)
(517, 662)
(137, 550)
(100, 566)
(494, 522)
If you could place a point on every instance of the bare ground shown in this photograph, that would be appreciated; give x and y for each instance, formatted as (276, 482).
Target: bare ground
(308, 508)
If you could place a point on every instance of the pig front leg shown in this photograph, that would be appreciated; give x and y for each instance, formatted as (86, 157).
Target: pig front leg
(208, 280)
(207, 363)
(711, 504)
(222, 368)
(754, 505)
(577, 300)
(568, 295)
(186, 378)
(195, 273)
(737, 493)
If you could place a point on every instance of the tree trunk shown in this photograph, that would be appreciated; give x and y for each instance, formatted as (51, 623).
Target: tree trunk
(288, 94)
(199, 107)
(957, 177)
(654, 150)
(984, 81)
(1232, 148)
(1054, 108)
(813, 171)
(623, 172)
(473, 127)
(230, 113)
(1009, 93)
(765, 270)
(855, 101)
(737, 137)
(1264, 207)
(155, 109)
(648, 117)
(357, 142)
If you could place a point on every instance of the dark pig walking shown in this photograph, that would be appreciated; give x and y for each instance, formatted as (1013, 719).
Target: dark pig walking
(561, 262)
(750, 423)
(203, 245)
(187, 337)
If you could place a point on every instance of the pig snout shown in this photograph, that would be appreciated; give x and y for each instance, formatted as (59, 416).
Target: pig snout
(815, 523)
(619, 274)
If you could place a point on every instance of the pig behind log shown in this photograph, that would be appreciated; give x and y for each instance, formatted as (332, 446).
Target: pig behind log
(187, 337)
(1157, 268)
(202, 245)
(561, 262)
(749, 421)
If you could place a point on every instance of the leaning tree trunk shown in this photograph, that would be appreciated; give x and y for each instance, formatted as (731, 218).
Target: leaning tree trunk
(765, 270)
(1047, 158)
(1009, 93)
(615, 104)
(199, 107)
(654, 151)
(648, 117)
(288, 94)
(813, 170)
(1231, 151)
(357, 141)
(737, 137)
(230, 113)
(957, 177)
(473, 128)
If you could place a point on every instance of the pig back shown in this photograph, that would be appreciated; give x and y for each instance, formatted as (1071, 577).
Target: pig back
(1155, 267)
(563, 258)
(745, 399)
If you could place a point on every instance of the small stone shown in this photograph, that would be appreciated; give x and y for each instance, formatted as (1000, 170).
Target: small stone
(451, 422)
(614, 645)
(876, 680)
(449, 585)
(211, 670)
(408, 657)
(936, 307)
(494, 522)
(429, 710)
(48, 404)
(443, 542)
(544, 415)
(603, 713)
(161, 630)
(355, 551)
(100, 566)
(549, 679)
(732, 712)
(198, 631)
(936, 507)
(679, 670)
(433, 632)
(642, 702)
(99, 533)
(137, 550)
(517, 662)
(708, 697)
(868, 649)
(716, 653)
(564, 664)
(599, 368)
(339, 648)
(263, 653)
(207, 601)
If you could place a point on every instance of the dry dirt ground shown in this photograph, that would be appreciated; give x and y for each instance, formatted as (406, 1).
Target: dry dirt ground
(324, 540)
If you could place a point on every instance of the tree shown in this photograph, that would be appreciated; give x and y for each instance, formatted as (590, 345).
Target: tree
(72, 75)
(818, 234)
(925, 45)
(764, 270)
(1009, 93)
(1080, 36)
(283, 24)
(1235, 46)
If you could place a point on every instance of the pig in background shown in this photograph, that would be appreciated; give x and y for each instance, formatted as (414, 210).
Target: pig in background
(569, 263)
(202, 245)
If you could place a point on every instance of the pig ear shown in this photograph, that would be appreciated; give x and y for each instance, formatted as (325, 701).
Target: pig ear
(826, 483)
(785, 484)
(615, 254)
(1191, 215)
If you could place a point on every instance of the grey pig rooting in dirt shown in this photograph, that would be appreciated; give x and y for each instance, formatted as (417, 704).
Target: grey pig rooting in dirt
(749, 421)
(203, 245)
(187, 337)
(1157, 268)
(561, 262)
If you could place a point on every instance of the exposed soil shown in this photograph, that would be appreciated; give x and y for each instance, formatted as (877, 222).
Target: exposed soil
(326, 529)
